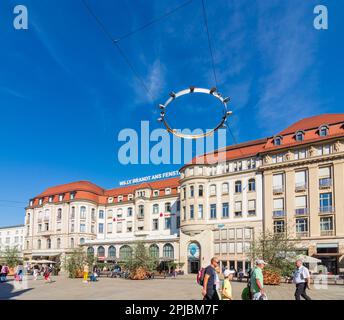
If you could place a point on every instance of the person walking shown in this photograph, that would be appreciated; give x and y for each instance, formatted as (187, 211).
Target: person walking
(209, 286)
(35, 272)
(301, 278)
(257, 281)
(19, 272)
(86, 271)
(4, 272)
(227, 287)
(46, 274)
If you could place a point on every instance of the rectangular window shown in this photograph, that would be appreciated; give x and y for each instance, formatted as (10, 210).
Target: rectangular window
(200, 211)
(72, 227)
(231, 247)
(237, 208)
(277, 182)
(239, 233)
(279, 226)
(109, 227)
(119, 227)
(225, 210)
(251, 207)
(82, 227)
(239, 247)
(278, 208)
(129, 211)
(129, 226)
(178, 222)
(213, 211)
(326, 224)
(192, 212)
(167, 223)
(101, 214)
(231, 233)
(326, 202)
(101, 228)
(184, 213)
(155, 224)
(301, 225)
(300, 180)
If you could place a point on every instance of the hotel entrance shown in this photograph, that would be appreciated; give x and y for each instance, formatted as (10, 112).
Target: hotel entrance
(193, 257)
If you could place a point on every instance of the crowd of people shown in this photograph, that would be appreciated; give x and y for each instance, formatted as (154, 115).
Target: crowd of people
(212, 289)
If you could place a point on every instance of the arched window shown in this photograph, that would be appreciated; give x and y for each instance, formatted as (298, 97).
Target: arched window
(112, 252)
(39, 244)
(40, 215)
(101, 214)
(225, 187)
(125, 252)
(251, 185)
(101, 251)
(168, 251)
(72, 242)
(154, 251)
(59, 214)
(48, 244)
(213, 190)
(83, 212)
(90, 251)
(238, 187)
(93, 214)
(192, 191)
(141, 210)
(58, 243)
(72, 214)
(109, 214)
(278, 141)
(119, 212)
(46, 214)
(82, 240)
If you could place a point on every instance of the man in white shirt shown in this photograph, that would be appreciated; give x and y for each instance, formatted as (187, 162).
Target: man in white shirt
(301, 278)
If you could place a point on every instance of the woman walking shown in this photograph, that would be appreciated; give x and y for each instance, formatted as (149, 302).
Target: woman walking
(86, 271)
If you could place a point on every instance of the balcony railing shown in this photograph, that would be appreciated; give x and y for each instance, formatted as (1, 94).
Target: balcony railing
(237, 214)
(326, 209)
(251, 212)
(301, 211)
(300, 186)
(325, 183)
(325, 233)
(278, 213)
(278, 189)
(303, 234)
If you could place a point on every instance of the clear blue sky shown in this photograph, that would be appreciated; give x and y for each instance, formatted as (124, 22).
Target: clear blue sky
(65, 92)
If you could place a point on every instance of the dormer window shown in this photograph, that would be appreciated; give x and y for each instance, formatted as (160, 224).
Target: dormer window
(72, 195)
(323, 131)
(277, 141)
(156, 193)
(60, 197)
(51, 199)
(40, 201)
(31, 203)
(168, 191)
(120, 198)
(299, 136)
(130, 197)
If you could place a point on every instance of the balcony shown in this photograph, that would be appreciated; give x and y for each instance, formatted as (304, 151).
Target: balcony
(326, 210)
(278, 189)
(237, 214)
(140, 216)
(325, 183)
(278, 214)
(301, 211)
(326, 233)
(300, 187)
(251, 212)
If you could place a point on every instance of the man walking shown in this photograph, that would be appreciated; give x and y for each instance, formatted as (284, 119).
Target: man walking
(209, 283)
(257, 281)
(301, 278)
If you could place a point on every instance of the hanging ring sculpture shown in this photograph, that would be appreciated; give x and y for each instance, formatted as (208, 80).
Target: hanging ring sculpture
(173, 96)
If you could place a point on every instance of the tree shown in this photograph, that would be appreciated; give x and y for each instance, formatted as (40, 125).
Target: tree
(11, 257)
(75, 263)
(277, 249)
(140, 262)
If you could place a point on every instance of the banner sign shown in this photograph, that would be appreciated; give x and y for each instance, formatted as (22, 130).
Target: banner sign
(168, 174)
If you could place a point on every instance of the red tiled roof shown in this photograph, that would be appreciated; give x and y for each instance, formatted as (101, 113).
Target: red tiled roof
(73, 186)
(314, 122)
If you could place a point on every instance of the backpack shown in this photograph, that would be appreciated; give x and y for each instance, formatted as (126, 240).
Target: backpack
(200, 276)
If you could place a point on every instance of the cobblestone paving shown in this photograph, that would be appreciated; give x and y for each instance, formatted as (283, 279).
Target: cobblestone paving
(183, 287)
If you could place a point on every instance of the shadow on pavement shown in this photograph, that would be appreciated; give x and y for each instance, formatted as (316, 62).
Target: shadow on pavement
(7, 291)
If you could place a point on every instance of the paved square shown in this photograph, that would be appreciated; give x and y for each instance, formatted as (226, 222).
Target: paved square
(183, 288)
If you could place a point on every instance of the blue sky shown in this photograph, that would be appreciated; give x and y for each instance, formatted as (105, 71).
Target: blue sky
(65, 92)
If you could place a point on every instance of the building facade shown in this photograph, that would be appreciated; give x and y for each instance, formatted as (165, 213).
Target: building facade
(12, 237)
(291, 182)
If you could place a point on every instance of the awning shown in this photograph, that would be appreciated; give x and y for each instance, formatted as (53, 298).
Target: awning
(327, 245)
(46, 254)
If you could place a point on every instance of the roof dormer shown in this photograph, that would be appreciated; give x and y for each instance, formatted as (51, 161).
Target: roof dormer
(323, 130)
(299, 135)
(277, 140)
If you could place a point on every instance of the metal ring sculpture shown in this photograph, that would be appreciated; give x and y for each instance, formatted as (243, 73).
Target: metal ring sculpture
(173, 96)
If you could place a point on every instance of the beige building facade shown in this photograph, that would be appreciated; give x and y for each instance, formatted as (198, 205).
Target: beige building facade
(291, 182)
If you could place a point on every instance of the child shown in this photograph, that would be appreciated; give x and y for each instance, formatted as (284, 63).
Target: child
(227, 287)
